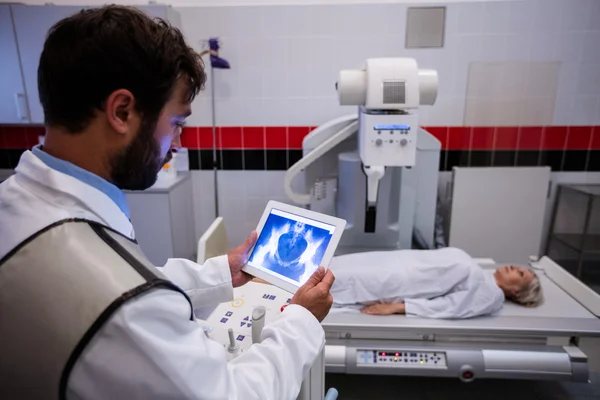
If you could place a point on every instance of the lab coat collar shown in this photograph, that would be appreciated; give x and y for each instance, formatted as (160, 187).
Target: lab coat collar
(59, 188)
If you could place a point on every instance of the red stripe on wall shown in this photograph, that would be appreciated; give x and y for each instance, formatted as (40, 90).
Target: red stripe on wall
(291, 137)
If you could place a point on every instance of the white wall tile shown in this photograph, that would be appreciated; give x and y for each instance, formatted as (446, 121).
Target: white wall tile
(521, 16)
(563, 110)
(274, 111)
(321, 53)
(569, 46)
(471, 18)
(348, 19)
(497, 17)
(322, 20)
(225, 81)
(227, 111)
(584, 109)
(201, 112)
(297, 79)
(575, 15)
(590, 53)
(274, 83)
(274, 53)
(252, 112)
(251, 52)
(452, 11)
(250, 82)
(587, 80)
(542, 46)
(593, 22)
(548, 15)
(385, 19)
(298, 51)
(297, 20)
(274, 21)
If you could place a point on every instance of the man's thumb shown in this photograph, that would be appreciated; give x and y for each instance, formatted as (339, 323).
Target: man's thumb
(315, 278)
(250, 241)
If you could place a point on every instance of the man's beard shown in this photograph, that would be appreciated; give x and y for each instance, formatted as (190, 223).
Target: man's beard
(137, 166)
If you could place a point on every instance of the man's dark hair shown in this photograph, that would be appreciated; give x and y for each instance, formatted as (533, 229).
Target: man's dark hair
(91, 54)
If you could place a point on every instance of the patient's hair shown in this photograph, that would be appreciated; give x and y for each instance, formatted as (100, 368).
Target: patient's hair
(530, 295)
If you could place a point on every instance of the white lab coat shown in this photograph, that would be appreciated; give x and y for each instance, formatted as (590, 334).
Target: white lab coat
(150, 349)
(442, 283)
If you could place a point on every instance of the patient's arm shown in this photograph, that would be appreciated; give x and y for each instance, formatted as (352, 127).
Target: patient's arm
(384, 309)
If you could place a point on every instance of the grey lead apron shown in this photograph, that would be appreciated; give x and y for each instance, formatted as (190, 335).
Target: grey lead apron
(57, 290)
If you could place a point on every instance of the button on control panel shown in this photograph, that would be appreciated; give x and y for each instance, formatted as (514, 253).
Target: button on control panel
(400, 359)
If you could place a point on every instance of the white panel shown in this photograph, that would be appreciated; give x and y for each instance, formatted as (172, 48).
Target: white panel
(11, 80)
(273, 21)
(151, 221)
(499, 212)
(228, 111)
(182, 221)
(297, 51)
(203, 190)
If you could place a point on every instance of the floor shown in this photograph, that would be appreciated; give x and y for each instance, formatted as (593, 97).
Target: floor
(364, 387)
(361, 387)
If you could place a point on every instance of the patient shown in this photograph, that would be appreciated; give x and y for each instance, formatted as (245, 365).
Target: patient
(443, 283)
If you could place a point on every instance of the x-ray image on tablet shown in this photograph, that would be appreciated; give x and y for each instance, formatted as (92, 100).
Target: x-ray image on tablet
(292, 243)
(291, 247)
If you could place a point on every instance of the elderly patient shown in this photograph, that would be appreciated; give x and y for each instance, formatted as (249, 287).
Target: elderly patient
(443, 283)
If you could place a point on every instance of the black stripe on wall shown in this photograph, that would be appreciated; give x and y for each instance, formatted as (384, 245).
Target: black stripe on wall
(280, 160)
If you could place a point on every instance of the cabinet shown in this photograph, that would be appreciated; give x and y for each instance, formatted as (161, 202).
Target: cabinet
(23, 30)
(574, 235)
(163, 219)
(13, 101)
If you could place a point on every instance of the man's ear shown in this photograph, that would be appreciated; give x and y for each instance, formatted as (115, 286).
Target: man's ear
(514, 292)
(119, 111)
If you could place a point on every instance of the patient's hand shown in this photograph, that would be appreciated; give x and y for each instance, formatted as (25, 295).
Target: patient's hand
(384, 309)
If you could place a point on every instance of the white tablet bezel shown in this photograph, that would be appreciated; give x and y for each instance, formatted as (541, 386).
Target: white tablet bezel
(338, 223)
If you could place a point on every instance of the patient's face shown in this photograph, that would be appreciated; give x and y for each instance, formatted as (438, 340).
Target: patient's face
(512, 279)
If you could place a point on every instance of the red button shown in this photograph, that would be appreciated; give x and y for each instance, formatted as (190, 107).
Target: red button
(467, 375)
(283, 307)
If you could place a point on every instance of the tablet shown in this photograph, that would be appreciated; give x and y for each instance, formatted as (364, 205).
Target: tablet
(292, 243)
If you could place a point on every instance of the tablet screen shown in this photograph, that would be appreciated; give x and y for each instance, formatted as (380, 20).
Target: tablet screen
(291, 247)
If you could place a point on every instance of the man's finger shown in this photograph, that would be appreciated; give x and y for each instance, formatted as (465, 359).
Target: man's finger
(327, 280)
(251, 239)
(315, 278)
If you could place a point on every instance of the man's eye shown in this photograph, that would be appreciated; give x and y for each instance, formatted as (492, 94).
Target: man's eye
(521, 273)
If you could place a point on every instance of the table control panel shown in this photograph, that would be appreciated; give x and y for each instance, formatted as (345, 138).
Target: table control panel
(400, 359)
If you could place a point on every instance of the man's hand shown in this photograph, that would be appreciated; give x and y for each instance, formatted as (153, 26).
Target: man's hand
(384, 309)
(237, 259)
(314, 294)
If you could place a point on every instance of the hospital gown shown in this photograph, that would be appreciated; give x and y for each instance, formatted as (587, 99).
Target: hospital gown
(443, 283)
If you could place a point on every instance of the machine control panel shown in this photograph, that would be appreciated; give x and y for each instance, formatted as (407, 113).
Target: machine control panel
(388, 144)
(401, 359)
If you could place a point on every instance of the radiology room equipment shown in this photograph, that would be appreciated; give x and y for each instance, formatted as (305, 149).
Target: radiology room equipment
(377, 170)
(386, 191)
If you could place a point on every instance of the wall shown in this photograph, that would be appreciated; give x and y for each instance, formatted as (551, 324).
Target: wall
(519, 85)
(213, 3)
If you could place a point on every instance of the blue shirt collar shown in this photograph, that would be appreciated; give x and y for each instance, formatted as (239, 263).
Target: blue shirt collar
(113, 192)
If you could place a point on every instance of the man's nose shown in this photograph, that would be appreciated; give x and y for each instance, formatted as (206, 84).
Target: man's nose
(176, 143)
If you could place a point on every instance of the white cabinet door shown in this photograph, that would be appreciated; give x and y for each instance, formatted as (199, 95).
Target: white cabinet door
(13, 99)
(32, 24)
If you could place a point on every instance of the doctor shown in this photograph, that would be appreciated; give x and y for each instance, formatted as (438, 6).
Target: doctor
(82, 313)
